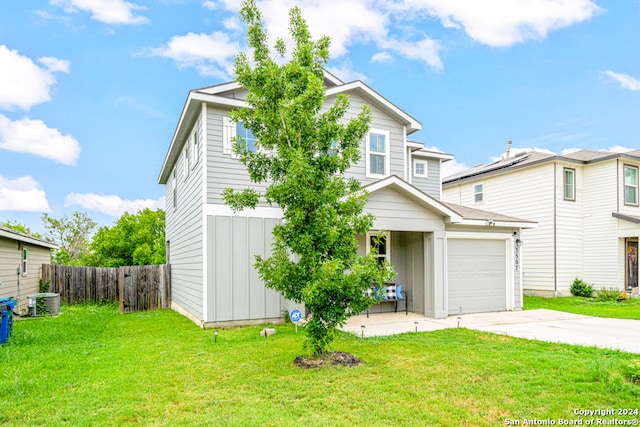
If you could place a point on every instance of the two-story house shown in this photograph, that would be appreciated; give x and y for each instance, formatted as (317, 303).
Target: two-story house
(450, 259)
(586, 206)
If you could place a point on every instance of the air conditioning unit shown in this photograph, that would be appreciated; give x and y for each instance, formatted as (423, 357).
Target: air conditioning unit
(51, 303)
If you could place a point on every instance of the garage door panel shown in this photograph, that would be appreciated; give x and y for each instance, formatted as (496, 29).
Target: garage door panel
(477, 277)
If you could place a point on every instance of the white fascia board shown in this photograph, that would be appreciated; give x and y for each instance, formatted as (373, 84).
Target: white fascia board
(223, 87)
(410, 190)
(190, 111)
(19, 237)
(413, 125)
(432, 155)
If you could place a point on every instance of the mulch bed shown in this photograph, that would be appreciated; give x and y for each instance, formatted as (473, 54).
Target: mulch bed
(328, 357)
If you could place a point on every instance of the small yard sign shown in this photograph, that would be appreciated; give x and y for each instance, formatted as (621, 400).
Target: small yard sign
(295, 317)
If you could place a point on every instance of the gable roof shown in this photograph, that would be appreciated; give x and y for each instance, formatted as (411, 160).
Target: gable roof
(215, 95)
(25, 238)
(531, 158)
(452, 213)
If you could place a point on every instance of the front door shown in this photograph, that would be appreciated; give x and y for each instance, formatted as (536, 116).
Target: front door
(631, 263)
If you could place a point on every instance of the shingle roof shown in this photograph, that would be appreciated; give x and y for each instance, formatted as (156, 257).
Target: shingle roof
(477, 214)
(10, 233)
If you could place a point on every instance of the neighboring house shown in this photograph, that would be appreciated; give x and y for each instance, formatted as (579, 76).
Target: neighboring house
(21, 259)
(450, 259)
(586, 206)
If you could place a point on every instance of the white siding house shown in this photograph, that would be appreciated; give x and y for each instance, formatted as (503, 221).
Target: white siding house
(211, 249)
(585, 206)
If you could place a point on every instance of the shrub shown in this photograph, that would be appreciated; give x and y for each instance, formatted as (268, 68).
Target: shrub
(580, 288)
(608, 294)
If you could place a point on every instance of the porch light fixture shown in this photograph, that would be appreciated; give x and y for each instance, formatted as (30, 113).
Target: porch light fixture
(491, 223)
(519, 243)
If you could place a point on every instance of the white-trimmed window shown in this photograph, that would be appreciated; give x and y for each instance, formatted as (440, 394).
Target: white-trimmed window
(196, 149)
(420, 168)
(374, 239)
(24, 261)
(569, 184)
(231, 129)
(478, 193)
(377, 151)
(174, 187)
(186, 161)
(630, 185)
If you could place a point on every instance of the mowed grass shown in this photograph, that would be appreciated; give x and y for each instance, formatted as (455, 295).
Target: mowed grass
(627, 309)
(92, 366)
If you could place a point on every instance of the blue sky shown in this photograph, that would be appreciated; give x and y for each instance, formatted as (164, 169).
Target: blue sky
(91, 90)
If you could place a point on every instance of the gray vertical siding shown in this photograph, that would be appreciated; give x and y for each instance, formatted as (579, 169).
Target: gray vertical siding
(235, 292)
(184, 232)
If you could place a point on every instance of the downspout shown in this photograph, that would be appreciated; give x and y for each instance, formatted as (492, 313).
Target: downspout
(618, 185)
(555, 230)
(19, 271)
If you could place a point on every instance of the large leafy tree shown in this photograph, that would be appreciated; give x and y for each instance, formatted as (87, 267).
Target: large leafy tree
(133, 240)
(302, 153)
(72, 234)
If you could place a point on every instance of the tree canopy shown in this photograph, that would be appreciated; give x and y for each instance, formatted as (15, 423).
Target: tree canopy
(302, 151)
(73, 235)
(133, 240)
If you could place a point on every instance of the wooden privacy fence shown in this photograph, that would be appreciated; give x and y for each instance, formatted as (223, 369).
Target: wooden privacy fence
(135, 288)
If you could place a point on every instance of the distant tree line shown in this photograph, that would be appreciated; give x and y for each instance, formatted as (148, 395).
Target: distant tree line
(134, 239)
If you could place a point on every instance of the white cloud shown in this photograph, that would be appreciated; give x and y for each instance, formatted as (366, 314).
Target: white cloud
(425, 50)
(505, 22)
(626, 81)
(22, 195)
(381, 57)
(34, 137)
(111, 205)
(24, 84)
(346, 73)
(211, 54)
(452, 167)
(109, 12)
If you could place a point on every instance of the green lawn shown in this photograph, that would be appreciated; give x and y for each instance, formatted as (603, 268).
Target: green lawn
(629, 309)
(92, 366)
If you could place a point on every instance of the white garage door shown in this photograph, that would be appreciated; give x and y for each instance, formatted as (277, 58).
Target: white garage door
(477, 275)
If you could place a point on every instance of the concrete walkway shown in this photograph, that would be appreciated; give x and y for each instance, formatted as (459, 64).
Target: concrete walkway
(542, 325)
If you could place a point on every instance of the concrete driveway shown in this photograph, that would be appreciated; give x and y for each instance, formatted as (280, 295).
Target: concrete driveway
(542, 325)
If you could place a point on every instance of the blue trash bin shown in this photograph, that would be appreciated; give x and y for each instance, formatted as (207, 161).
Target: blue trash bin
(6, 318)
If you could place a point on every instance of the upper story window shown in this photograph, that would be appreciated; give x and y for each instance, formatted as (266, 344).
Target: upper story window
(232, 129)
(174, 187)
(478, 193)
(186, 161)
(420, 168)
(196, 150)
(630, 185)
(569, 184)
(377, 152)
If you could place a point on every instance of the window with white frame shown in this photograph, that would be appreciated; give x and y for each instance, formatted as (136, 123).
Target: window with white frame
(377, 151)
(174, 186)
(569, 184)
(630, 185)
(420, 168)
(478, 193)
(186, 161)
(24, 261)
(382, 243)
(196, 150)
(231, 129)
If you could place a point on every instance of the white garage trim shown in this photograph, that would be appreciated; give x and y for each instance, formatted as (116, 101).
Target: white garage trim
(509, 272)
